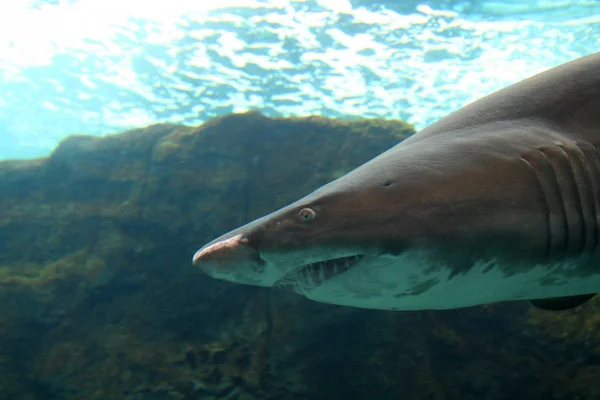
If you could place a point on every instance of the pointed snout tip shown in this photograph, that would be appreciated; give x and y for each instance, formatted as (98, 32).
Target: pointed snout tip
(216, 248)
(197, 256)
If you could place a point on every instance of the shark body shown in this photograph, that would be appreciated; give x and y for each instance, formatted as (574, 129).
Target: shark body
(497, 201)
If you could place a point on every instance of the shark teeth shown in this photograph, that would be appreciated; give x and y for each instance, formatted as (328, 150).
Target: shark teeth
(322, 270)
(311, 275)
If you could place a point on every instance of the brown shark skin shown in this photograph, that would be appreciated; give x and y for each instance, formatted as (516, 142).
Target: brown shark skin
(515, 174)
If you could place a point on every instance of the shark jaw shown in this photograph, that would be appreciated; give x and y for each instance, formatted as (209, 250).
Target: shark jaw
(232, 259)
(309, 276)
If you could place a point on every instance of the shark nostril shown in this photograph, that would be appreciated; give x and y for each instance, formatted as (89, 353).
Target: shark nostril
(387, 184)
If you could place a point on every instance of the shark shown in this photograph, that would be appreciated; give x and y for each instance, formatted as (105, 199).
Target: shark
(497, 201)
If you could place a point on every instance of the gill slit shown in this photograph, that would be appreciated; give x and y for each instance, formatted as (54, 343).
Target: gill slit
(593, 169)
(543, 189)
(568, 178)
(572, 187)
(587, 189)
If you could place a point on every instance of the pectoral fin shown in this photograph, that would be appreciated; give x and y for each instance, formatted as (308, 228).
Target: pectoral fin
(561, 303)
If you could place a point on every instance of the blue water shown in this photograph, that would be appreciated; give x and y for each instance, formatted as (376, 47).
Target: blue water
(101, 66)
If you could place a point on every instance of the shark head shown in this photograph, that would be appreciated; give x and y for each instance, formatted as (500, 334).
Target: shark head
(302, 244)
(391, 229)
(496, 201)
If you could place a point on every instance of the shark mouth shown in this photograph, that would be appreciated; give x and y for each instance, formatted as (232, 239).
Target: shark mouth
(312, 275)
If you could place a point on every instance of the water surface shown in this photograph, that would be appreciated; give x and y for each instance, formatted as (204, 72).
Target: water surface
(102, 66)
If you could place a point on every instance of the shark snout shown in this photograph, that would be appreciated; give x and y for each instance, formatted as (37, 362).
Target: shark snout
(224, 248)
(231, 259)
(220, 254)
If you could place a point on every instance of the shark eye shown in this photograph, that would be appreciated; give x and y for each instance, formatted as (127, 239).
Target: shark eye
(306, 214)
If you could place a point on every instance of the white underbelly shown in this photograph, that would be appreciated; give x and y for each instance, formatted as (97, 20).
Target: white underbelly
(407, 283)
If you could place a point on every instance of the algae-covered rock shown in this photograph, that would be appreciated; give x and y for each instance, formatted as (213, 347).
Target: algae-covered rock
(99, 297)
(99, 300)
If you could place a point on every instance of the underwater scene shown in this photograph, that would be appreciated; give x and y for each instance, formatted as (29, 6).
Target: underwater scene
(299, 199)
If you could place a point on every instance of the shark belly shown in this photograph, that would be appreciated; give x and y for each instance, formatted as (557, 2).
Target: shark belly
(410, 283)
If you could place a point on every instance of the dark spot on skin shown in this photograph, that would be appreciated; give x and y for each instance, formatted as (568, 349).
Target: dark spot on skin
(551, 281)
(586, 267)
(419, 288)
(387, 184)
(490, 267)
